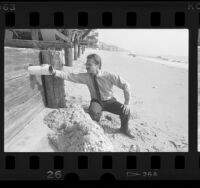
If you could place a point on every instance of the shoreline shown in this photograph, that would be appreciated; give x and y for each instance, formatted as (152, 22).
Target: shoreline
(166, 62)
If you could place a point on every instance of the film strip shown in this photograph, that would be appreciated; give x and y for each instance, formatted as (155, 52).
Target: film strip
(116, 165)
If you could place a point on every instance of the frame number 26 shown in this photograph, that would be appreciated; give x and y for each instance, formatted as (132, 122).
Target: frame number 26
(54, 175)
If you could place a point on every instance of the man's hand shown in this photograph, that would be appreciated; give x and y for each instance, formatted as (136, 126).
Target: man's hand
(52, 71)
(126, 108)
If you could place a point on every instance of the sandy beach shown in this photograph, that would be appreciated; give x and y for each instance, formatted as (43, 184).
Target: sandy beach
(159, 91)
(159, 101)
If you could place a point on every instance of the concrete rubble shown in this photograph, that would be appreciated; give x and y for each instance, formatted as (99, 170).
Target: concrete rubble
(74, 131)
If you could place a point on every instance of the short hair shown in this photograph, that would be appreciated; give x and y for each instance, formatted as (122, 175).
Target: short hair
(96, 58)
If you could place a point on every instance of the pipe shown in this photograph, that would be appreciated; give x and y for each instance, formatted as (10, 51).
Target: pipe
(44, 69)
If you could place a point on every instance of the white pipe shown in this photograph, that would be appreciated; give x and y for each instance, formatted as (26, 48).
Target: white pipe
(44, 69)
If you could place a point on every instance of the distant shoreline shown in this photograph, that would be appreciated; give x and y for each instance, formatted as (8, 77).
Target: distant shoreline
(169, 62)
(168, 57)
(178, 59)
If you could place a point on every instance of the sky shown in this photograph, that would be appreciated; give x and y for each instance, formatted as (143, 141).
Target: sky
(170, 42)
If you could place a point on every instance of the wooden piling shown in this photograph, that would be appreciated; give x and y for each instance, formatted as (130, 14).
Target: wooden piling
(83, 49)
(75, 51)
(79, 50)
(72, 54)
(54, 86)
(68, 57)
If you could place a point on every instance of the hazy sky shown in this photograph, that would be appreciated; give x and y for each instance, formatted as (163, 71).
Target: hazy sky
(148, 41)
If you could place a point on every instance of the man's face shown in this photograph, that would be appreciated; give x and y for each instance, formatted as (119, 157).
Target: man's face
(91, 66)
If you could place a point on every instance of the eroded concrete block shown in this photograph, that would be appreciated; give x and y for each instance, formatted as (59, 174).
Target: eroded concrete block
(75, 131)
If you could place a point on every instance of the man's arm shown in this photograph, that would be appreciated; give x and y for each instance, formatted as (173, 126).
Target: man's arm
(77, 78)
(122, 84)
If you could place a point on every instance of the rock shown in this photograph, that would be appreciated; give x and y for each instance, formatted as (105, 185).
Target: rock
(134, 148)
(108, 118)
(75, 131)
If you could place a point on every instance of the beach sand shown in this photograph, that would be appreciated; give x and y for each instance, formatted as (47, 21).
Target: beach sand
(159, 94)
(159, 91)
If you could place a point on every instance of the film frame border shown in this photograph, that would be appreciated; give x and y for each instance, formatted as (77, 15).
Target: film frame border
(72, 165)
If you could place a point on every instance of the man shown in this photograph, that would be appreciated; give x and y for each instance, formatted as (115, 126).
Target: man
(100, 85)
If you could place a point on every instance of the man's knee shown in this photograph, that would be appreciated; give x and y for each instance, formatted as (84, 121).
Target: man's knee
(95, 116)
(95, 111)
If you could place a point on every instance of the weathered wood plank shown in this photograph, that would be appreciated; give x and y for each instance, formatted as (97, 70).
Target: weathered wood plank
(24, 94)
(10, 54)
(20, 112)
(14, 75)
(20, 123)
(36, 44)
(13, 67)
(15, 62)
(31, 55)
(8, 35)
(61, 36)
(85, 34)
(24, 30)
(34, 34)
(21, 109)
(30, 81)
(50, 35)
(16, 94)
